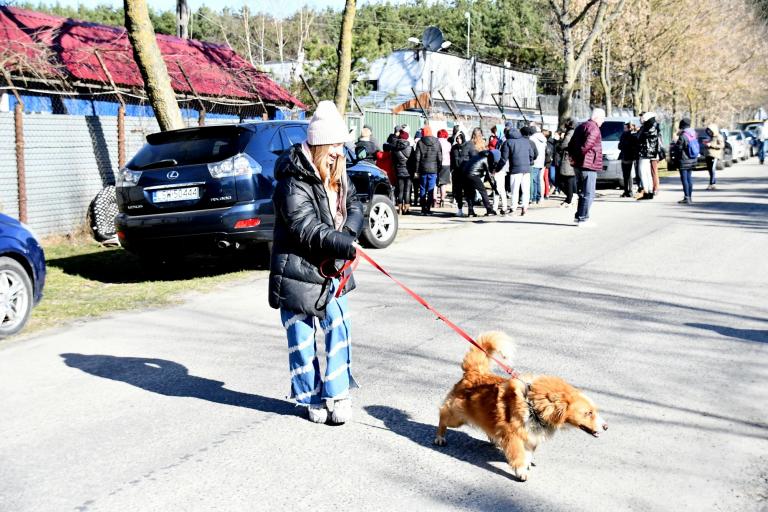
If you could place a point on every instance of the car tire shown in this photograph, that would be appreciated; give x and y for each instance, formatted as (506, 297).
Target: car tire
(381, 223)
(15, 297)
(101, 214)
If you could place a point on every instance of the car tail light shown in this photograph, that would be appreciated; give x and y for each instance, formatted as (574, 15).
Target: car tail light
(127, 178)
(247, 223)
(238, 165)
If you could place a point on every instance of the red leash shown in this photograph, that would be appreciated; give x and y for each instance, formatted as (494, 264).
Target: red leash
(353, 265)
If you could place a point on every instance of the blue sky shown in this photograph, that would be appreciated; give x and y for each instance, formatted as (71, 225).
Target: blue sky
(279, 8)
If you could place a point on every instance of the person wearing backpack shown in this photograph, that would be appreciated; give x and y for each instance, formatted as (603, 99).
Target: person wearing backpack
(687, 149)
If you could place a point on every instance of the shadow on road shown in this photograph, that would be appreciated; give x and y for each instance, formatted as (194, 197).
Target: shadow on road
(172, 379)
(756, 335)
(119, 266)
(460, 445)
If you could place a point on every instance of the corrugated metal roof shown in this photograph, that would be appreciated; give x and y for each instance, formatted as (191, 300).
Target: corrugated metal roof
(69, 46)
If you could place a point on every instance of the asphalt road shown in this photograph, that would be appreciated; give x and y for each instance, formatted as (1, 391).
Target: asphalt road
(660, 313)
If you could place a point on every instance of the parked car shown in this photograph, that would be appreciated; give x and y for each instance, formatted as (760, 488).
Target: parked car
(210, 188)
(701, 163)
(739, 144)
(611, 131)
(22, 274)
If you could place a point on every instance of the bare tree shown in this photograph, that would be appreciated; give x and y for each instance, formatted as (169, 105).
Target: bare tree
(344, 69)
(151, 65)
(568, 18)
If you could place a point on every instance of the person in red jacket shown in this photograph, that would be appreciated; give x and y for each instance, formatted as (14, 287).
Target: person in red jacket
(586, 150)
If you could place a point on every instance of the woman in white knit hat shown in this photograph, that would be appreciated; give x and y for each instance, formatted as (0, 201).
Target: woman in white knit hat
(317, 220)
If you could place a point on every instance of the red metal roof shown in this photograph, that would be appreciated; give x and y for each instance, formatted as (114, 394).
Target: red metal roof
(214, 70)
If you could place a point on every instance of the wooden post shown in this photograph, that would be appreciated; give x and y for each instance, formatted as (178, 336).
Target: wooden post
(423, 112)
(501, 108)
(475, 105)
(448, 105)
(21, 172)
(311, 94)
(201, 114)
(120, 114)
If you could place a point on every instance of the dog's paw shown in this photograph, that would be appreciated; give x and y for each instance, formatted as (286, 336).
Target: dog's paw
(521, 474)
(439, 441)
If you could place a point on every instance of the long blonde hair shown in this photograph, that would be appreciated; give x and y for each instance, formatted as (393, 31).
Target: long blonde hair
(333, 175)
(478, 140)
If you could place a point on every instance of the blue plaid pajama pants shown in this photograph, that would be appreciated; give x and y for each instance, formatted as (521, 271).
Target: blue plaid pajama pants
(308, 385)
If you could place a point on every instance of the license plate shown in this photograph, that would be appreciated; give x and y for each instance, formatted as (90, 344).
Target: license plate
(175, 194)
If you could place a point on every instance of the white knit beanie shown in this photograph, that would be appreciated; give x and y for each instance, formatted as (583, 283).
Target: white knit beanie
(327, 126)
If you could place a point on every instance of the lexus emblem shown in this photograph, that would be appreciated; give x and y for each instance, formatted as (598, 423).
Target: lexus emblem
(172, 175)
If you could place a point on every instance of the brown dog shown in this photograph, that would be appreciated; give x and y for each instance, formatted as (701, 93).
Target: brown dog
(517, 414)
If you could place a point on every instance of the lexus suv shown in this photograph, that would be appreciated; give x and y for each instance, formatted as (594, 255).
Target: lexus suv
(210, 188)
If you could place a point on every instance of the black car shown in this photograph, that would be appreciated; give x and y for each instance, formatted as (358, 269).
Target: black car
(209, 188)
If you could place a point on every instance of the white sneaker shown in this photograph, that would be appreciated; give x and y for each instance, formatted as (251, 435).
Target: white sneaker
(459, 213)
(317, 413)
(341, 411)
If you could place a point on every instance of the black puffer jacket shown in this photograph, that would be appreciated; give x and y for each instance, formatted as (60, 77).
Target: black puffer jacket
(480, 165)
(304, 236)
(460, 153)
(429, 155)
(649, 140)
(401, 150)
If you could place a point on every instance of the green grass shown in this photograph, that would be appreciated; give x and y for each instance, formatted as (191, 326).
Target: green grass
(86, 280)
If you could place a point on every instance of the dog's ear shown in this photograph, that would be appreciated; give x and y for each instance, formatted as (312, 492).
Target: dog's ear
(553, 410)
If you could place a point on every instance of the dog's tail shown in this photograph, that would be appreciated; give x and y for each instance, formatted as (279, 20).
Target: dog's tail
(494, 343)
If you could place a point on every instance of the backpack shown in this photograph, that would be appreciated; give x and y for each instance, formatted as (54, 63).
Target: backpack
(693, 149)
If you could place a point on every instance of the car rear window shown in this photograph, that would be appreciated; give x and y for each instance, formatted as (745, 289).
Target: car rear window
(612, 130)
(187, 147)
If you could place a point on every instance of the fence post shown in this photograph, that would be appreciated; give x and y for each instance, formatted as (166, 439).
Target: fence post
(21, 172)
(121, 136)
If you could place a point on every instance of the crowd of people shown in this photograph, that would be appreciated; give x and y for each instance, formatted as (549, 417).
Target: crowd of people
(521, 166)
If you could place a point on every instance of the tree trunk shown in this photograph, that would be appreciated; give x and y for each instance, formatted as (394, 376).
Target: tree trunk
(182, 19)
(345, 57)
(605, 75)
(150, 62)
(638, 86)
(247, 28)
(565, 103)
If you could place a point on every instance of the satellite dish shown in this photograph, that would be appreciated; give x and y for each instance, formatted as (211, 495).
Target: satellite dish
(432, 39)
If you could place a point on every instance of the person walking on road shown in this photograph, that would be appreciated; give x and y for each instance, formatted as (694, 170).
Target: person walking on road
(715, 146)
(429, 160)
(629, 147)
(586, 150)
(317, 220)
(687, 158)
(567, 171)
(517, 151)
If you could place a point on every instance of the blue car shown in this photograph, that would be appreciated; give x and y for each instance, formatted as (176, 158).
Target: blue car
(22, 274)
(210, 188)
